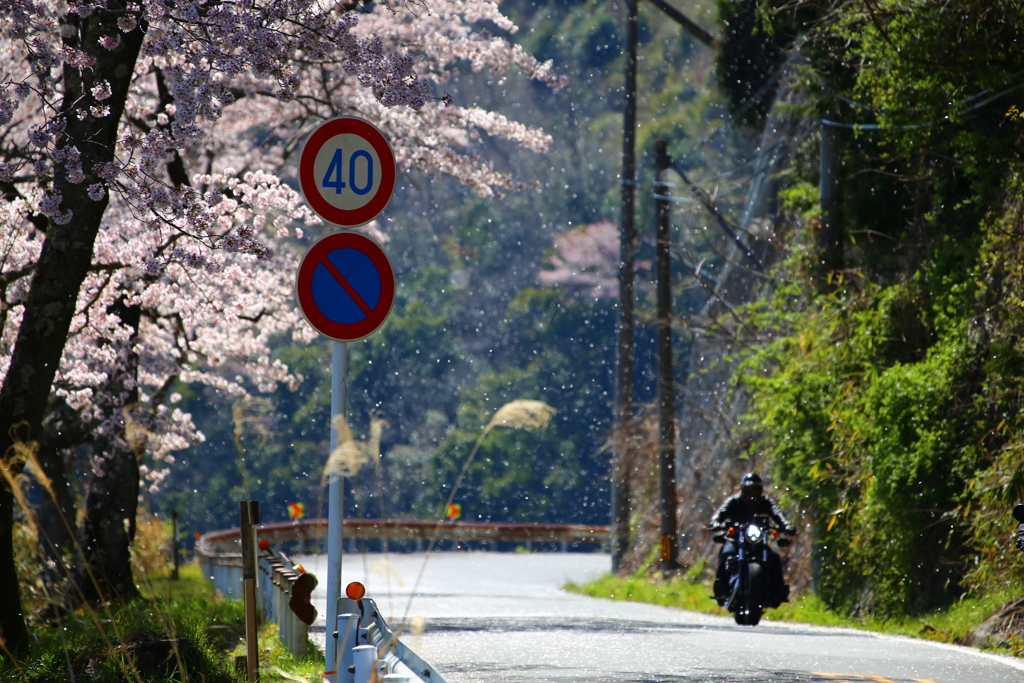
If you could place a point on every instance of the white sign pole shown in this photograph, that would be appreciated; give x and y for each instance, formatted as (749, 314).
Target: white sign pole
(335, 518)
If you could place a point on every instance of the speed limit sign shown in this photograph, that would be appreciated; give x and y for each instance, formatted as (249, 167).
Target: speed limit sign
(347, 171)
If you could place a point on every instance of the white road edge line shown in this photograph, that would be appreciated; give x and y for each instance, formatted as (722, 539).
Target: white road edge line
(1012, 662)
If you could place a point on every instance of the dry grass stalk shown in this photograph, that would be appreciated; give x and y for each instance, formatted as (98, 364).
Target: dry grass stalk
(522, 414)
(137, 436)
(21, 454)
(249, 412)
(388, 571)
(347, 457)
(151, 546)
(377, 425)
(525, 414)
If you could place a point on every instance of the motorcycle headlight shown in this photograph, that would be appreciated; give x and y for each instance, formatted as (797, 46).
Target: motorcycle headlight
(753, 532)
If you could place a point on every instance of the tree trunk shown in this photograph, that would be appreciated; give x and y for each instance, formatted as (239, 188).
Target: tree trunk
(108, 529)
(63, 264)
(56, 514)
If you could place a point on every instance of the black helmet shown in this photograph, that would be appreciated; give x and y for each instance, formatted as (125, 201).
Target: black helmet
(751, 486)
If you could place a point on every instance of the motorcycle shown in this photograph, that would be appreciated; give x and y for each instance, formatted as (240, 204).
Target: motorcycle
(749, 580)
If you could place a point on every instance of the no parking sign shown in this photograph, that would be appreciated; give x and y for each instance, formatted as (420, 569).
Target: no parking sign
(347, 171)
(345, 286)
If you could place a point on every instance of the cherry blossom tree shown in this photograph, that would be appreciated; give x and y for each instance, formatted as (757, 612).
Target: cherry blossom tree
(145, 153)
(585, 262)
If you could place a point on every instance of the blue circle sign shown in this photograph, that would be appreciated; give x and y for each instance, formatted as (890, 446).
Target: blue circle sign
(345, 286)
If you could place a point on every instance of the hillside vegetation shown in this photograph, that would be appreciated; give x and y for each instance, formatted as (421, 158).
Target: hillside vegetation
(886, 375)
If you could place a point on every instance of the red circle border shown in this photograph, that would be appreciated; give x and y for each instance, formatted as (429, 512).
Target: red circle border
(304, 286)
(311, 192)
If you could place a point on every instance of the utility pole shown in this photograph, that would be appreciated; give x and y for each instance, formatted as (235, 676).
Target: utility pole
(830, 234)
(666, 391)
(623, 429)
(624, 369)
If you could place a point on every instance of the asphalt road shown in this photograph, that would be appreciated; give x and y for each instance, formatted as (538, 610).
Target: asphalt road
(503, 618)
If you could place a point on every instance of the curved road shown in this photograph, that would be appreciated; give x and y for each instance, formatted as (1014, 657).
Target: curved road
(503, 618)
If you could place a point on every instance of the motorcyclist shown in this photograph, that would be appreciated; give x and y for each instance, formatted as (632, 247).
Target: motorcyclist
(740, 509)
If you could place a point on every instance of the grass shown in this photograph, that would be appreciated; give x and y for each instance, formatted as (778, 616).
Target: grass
(693, 592)
(278, 664)
(686, 592)
(180, 631)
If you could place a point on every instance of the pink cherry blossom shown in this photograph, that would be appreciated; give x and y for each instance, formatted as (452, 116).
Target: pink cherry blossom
(586, 261)
(198, 207)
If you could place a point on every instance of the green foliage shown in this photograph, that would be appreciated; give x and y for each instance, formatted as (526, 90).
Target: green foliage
(999, 330)
(552, 475)
(867, 441)
(178, 638)
(276, 661)
(885, 398)
(690, 590)
(756, 37)
(180, 631)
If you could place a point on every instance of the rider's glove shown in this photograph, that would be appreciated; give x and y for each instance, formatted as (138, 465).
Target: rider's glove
(1020, 537)
(791, 530)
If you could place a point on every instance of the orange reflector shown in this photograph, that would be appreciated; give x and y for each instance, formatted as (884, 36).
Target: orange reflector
(666, 549)
(355, 590)
(302, 570)
(264, 544)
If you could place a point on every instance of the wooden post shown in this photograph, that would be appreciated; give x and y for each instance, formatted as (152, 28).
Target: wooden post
(175, 550)
(249, 511)
(620, 469)
(666, 391)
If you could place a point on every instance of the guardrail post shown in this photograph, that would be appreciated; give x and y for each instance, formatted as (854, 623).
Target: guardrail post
(346, 637)
(364, 658)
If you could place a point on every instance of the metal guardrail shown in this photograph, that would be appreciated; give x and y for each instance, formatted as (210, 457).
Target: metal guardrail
(277, 577)
(395, 657)
(220, 558)
(309, 531)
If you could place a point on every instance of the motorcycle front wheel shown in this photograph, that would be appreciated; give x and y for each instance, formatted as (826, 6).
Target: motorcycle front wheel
(751, 604)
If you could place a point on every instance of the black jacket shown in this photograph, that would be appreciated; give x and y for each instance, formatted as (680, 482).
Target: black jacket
(738, 510)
